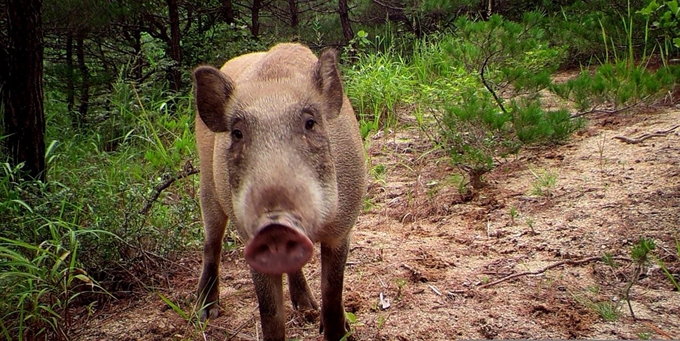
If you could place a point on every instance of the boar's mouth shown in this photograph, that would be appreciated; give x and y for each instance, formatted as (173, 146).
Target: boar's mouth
(278, 248)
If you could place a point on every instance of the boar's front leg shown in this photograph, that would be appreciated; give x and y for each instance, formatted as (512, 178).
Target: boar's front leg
(300, 294)
(333, 259)
(269, 289)
(215, 222)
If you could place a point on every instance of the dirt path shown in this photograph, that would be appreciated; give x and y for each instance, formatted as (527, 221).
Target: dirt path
(428, 253)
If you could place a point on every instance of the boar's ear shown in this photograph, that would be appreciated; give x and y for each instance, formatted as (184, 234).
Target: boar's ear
(213, 89)
(327, 81)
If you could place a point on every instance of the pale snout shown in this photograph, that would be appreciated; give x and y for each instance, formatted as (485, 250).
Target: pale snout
(278, 246)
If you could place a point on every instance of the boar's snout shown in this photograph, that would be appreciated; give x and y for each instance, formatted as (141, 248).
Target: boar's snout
(278, 247)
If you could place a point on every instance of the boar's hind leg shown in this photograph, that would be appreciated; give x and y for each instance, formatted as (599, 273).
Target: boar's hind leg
(333, 260)
(215, 222)
(300, 293)
(269, 289)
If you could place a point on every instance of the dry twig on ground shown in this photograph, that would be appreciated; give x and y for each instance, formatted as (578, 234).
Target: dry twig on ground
(646, 136)
(537, 272)
(597, 111)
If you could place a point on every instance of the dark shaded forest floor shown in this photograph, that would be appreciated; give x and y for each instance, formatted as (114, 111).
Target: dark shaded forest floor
(429, 253)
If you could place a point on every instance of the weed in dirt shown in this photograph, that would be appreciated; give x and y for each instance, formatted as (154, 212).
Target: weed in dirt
(381, 321)
(513, 214)
(401, 283)
(593, 289)
(353, 324)
(608, 311)
(665, 270)
(644, 335)
(544, 182)
(608, 260)
(368, 204)
(378, 171)
(192, 318)
(640, 253)
(530, 223)
(459, 183)
(600, 149)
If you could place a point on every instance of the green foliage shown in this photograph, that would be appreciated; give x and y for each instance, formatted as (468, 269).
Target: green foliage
(511, 60)
(475, 93)
(88, 218)
(641, 250)
(544, 182)
(513, 214)
(640, 253)
(621, 84)
(665, 18)
(599, 29)
(608, 311)
(379, 85)
(665, 270)
(42, 281)
(353, 323)
(644, 335)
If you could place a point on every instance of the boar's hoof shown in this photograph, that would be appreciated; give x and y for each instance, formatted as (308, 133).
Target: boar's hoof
(277, 249)
(210, 312)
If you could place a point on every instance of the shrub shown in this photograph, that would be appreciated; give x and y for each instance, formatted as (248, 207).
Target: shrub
(496, 109)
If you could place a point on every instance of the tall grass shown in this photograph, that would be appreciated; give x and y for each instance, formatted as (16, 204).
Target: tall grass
(59, 237)
(380, 86)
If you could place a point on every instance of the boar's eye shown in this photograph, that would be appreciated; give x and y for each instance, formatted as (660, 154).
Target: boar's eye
(237, 134)
(310, 123)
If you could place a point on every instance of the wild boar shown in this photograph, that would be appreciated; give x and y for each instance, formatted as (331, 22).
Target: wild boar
(281, 157)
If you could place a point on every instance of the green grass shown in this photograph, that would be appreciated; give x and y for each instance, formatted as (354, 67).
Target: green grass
(42, 280)
(380, 86)
(544, 182)
(608, 311)
(86, 218)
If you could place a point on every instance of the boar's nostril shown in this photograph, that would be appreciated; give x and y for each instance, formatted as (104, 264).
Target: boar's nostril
(291, 245)
(263, 249)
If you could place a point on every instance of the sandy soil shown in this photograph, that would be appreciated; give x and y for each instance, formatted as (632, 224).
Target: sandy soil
(434, 257)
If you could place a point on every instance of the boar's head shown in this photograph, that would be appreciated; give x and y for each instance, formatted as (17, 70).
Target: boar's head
(273, 163)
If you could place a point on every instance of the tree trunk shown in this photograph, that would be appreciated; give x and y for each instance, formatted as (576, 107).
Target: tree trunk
(175, 72)
(228, 11)
(343, 10)
(294, 18)
(24, 117)
(255, 18)
(81, 115)
(70, 84)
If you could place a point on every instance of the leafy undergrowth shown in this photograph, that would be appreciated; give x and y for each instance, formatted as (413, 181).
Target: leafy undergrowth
(436, 255)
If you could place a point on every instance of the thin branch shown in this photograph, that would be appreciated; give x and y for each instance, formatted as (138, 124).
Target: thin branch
(565, 262)
(188, 170)
(646, 136)
(388, 6)
(488, 87)
(636, 274)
